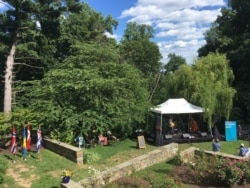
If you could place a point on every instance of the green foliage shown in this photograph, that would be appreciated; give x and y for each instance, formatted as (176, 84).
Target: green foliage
(222, 171)
(5, 124)
(232, 172)
(82, 38)
(175, 61)
(108, 96)
(137, 49)
(229, 35)
(208, 84)
(165, 88)
(90, 157)
(177, 159)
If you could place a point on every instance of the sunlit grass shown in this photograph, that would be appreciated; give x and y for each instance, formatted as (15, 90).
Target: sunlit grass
(47, 172)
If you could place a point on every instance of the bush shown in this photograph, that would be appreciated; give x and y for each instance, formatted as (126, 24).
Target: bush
(232, 172)
(222, 171)
(90, 157)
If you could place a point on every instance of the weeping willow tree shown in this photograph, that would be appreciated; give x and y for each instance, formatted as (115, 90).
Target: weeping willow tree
(208, 83)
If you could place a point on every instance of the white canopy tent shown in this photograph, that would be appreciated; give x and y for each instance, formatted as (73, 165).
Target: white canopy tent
(176, 106)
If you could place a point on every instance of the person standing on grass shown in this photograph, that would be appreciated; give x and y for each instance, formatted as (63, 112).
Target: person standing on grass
(216, 145)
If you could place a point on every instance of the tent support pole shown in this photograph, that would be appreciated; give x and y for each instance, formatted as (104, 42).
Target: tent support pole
(161, 126)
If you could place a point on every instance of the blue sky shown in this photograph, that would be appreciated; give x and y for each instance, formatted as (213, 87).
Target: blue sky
(179, 24)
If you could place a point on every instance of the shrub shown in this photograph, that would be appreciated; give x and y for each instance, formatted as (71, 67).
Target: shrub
(221, 171)
(177, 160)
(233, 172)
(90, 157)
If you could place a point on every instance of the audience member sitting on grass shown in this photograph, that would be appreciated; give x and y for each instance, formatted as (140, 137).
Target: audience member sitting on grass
(111, 136)
(79, 140)
(103, 140)
(244, 152)
(216, 145)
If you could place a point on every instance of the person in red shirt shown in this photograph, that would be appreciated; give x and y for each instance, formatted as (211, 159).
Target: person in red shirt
(103, 140)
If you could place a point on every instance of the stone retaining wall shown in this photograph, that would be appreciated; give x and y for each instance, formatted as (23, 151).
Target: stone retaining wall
(127, 168)
(70, 152)
(189, 153)
(224, 155)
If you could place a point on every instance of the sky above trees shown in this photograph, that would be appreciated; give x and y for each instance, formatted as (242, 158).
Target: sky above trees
(179, 25)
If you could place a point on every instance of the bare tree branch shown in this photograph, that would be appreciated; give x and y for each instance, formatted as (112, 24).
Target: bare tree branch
(29, 65)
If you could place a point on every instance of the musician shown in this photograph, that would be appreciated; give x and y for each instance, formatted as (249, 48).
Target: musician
(193, 126)
(171, 125)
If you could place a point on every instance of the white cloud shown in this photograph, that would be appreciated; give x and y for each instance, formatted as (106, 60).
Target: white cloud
(179, 25)
(1, 4)
(114, 36)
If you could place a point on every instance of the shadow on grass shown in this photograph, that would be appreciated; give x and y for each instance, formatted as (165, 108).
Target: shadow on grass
(135, 147)
(163, 171)
(9, 157)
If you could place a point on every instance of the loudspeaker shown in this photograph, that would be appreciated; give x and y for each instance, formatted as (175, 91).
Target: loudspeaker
(185, 135)
(168, 137)
(203, 134)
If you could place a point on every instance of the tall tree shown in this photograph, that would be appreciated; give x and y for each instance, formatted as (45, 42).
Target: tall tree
(89, 87)
(230, 34)
(83, 35)
(137, 50)
(175, 61)
(165, 88)
(22, 42)
(208, 83)
(109, 96)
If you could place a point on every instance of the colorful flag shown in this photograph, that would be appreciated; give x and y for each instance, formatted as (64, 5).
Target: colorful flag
(28, 137)
(13, 141)
(24, 149)
(39, 140)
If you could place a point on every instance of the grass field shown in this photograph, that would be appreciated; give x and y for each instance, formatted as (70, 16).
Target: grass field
(47, 172)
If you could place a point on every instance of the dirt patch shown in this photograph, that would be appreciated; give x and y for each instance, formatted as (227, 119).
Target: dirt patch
(16, 170)
(16, 173)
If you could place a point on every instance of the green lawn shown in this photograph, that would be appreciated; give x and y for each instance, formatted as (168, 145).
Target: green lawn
(47, 171)
(158, 172)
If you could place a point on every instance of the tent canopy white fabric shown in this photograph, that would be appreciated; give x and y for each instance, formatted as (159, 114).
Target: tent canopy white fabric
(177, 106)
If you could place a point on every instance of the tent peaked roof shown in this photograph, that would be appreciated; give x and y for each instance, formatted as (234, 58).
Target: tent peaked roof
(177, 106)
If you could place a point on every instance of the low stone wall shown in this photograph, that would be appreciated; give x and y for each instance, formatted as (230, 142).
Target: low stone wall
(70, 152)
(224, 155)
(71, 184)
(156, 156)
(189, 153)
(127, 168)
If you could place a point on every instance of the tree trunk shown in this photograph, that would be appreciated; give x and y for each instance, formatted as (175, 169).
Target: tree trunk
(8, 79)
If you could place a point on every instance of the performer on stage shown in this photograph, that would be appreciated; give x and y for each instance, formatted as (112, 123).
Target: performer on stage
(193, 127)
(171, 125)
